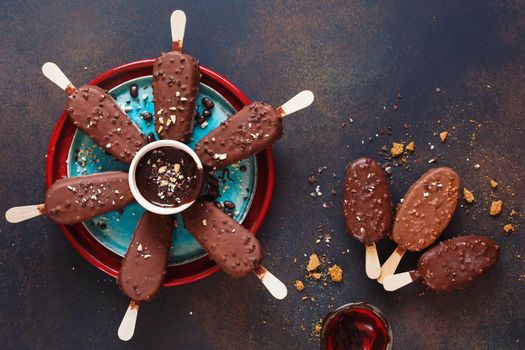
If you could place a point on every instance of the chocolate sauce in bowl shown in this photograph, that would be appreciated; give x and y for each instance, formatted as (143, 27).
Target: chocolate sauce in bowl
(168, 177)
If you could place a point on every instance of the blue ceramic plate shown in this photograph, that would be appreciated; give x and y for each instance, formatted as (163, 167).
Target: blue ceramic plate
(113, 230)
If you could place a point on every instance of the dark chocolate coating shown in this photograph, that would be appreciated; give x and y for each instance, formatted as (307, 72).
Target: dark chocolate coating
(93, 111)
(426, 209)
(176, 78)
(455, 262)
(367, 206)
(249, 131)
(230, 245)
(75, 199)
(143, 268)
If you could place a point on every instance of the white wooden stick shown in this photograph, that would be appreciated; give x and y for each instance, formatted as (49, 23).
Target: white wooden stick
(372, 264)
(390, 266)
(398, 280)
(296, 103)
(53, 73)
(127, 326)
(19, 214)
(178, 26)
(272, 283)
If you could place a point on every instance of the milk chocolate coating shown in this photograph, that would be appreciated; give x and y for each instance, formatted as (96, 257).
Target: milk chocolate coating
(93, 111)
(75, 199)
(176, 78)
(144, 266)
(367, 206)
(230, 245)
(252, 129)
(457, 261)
(426, 209)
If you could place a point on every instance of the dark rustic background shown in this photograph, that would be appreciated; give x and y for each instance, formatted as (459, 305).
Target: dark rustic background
(459, 66)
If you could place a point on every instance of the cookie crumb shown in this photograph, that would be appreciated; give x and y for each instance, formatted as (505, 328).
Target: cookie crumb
(336, 273)
(411, 146)
(508, 228)
(467, 195)
(397, 149)
(313, 263)
(495, 208)
(316, 275)
(513, 212)
(443, 136)
(493, 183)
(317, 328)
(299, 285)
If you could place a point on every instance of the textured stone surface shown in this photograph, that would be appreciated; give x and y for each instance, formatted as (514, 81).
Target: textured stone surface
(355, 56)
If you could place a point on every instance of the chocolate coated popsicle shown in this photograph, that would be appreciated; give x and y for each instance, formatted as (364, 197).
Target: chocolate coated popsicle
(75, 199)
(93, 110)
(423, 215)
(367, 208)
(426, 209)
(176, 78)
(450, 265)
(143, 268)
(230, 245)
(249, 131)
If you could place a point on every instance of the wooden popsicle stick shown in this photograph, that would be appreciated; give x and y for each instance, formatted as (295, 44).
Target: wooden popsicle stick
(398, 280)
(178, 26)
(272, 283)
(19, 214)
(127, 326)
(372, 264)
(390, 266)
(53, 73)
(296, 103)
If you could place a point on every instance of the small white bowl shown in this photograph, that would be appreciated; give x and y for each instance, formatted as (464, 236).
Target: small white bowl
(133, 181)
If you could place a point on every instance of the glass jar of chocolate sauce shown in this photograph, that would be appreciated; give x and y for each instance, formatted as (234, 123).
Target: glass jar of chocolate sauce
(356, 326)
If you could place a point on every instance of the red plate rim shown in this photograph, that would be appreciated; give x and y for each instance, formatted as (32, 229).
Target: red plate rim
(87, 245)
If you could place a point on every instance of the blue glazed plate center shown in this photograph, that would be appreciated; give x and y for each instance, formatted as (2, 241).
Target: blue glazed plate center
(113, 230)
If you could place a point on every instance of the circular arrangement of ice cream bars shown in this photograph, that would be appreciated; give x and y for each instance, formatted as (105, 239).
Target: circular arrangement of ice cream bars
(74, 199)
(93, 110)
(164, 177)
(423, 215)
(367, 208)
(450, 265)
(249, 131)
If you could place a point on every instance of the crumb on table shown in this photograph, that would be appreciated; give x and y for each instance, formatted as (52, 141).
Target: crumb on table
(443, 135)
(313, 263)
(299, 285)
(495, 207)
(493, 183)
(397, 149)
(411, 146)
(508, 228)
(468, 195)
(336, 273)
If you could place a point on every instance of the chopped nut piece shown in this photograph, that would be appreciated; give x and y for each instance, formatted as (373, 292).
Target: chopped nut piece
(336, 273)
(299, 285)
(177, 167)
(314, 263)
(397, 149)
(508, 228)
(493, 183)
(467, 195)
(411, 146)
(495, 208)
(443, 135)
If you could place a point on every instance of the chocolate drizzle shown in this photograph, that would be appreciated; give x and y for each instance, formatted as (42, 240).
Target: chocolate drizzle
(367, 206)
(426, 209)
(143, 268)
(247, 132)
(230, 245)
(75, 199)
(457, 261)
(176, 78)
(93, 111)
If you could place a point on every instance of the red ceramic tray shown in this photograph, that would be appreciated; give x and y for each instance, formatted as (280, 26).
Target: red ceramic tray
(96, 253)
